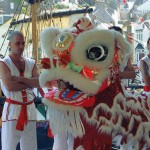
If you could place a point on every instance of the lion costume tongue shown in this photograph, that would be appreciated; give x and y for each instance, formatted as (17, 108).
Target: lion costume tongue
(70, 97)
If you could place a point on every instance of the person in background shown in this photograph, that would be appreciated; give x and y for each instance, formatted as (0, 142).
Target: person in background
(19, 76)
(144, 66)
(126, 69)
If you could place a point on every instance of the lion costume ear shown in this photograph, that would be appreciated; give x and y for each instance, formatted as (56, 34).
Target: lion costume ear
(125, 47)
(47, 37)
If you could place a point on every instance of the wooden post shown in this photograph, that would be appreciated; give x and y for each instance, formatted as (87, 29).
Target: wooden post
(34, 31)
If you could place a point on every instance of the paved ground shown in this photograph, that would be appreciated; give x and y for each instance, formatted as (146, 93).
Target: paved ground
(44, 142)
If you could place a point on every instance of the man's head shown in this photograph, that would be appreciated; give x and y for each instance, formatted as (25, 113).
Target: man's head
(116, 28)
(16, 42)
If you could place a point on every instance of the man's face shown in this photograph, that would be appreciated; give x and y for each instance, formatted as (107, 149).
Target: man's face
(17, 44)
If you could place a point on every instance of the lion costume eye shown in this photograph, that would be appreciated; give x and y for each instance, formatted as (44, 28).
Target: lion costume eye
(98, 53)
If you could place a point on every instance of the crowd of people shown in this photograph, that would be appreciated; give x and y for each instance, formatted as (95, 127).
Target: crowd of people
(19, 76)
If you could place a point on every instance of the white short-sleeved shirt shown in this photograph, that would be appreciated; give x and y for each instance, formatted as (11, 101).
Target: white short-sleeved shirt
(147, 60)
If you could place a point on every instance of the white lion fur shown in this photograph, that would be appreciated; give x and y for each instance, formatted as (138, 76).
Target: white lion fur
(98, 37)
(80, 82)
(65, 119)
(80, 148)
(124, 44)
(86, 40)
(90, 37)
(47, 37)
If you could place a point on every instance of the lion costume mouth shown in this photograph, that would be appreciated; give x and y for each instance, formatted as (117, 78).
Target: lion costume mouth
(70, 97)
(77, 89)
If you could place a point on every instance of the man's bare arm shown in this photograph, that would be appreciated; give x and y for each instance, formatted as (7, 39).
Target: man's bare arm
(31, 82)
(145, 72)
(7, 79)
(129, 72)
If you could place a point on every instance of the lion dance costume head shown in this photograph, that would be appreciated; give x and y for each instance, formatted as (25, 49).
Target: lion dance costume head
(88, 101)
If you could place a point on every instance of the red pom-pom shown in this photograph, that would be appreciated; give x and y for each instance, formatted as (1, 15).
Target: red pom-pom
(45, 63)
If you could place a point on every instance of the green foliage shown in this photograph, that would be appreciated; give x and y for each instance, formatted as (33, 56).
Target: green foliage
(84, 5)
(18, 1)
(60, 6)
(50, 1)
(23, 10)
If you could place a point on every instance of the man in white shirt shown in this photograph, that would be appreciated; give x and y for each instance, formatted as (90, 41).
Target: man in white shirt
(144, 66)
(19, 75)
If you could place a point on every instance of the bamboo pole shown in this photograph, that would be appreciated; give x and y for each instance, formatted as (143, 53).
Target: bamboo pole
(34, 31)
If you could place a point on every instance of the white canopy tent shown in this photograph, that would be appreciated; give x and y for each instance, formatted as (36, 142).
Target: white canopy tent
(145, 7)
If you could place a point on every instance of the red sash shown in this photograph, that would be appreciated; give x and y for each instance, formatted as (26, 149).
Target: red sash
(23, 117)
(147, 88)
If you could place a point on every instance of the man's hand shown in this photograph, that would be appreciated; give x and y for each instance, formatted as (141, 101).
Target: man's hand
(30, 82)
(51, 84)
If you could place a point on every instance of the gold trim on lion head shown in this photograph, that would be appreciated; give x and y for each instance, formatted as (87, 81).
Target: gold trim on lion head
(63, 41)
